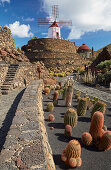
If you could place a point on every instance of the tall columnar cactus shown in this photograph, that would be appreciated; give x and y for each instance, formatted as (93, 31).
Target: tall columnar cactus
(72, 154)
(82, 107)
(70, 117)
(55, 98)
(86, 139)
(51, 118)
(97, 122)
(105, 142)
(46, 90)
(69, 95)
(99, 106)
(64, 93)
(68, 131)
(50, 107)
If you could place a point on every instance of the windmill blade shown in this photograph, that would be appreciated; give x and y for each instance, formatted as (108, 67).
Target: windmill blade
(65, 23)
(55, 11)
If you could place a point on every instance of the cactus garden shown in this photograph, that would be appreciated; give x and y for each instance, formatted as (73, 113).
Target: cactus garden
(79, 128)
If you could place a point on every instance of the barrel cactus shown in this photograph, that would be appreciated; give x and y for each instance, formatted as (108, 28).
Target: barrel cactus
(86, 139)
(50, 107)
(105, 142)
(51, 117)
(46, 90)
(68, 131)
(55, 98)
(69, 95)
(97, 122)
(82, 107)
(64, 93)
(99, 106)
(71, 155)
(70, 117)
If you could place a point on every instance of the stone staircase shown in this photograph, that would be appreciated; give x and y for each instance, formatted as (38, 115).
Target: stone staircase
(9, 78)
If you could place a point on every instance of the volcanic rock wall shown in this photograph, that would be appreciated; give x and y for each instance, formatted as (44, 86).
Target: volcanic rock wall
(55, 53)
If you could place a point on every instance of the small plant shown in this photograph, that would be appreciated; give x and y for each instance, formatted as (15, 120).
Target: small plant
(68, 131)
(55, 98)
(70, 117)
(51, 118)
(78, 93)
(58, 87)
(82, 107)
(50, 107)
(46, 90)
(86, 139)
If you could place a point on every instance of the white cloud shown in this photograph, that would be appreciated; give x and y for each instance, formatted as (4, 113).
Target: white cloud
(5, 1)
(28, 19)
(86, 15)
(21, 31)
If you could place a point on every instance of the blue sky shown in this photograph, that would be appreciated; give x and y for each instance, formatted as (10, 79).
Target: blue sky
(91, 20)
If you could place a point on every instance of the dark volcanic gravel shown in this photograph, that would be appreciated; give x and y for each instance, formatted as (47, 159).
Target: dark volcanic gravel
(92, 159)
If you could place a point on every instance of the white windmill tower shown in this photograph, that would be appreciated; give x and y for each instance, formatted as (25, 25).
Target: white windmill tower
(54, 29)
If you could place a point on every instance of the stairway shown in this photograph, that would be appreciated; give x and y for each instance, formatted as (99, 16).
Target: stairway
(9, 78)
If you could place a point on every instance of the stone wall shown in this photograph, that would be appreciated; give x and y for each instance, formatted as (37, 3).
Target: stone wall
(26, 142)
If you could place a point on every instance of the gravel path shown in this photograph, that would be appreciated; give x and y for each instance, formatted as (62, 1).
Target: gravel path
(5, 103)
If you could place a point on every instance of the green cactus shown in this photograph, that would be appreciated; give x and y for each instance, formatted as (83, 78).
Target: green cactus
(99, 106)
(72, 153)
(86, 139)
(50, 107)
(78, 93)
(69, 95)
(70, 117)
(55, 98)
(64, 93)
(82, 107)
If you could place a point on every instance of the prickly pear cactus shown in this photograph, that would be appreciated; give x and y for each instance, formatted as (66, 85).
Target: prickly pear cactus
(97, 122)
(70, 117)
(51, 118)
(46, 90)
(99, 106)
(82, 107)
(69, 95)
(86, 139)
(72, 154)
(50, 107)
(105, 142)
(68, 131)
(55, 98)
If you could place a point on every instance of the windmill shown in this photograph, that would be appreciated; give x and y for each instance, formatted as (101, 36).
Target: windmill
(52, 23)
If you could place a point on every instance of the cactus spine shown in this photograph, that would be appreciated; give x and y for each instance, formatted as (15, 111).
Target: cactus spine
(82, 107)
(99, 106)
(86, 139)
(55, 98)
(68, 131)
(50, 107)
(70, 117)
(69, 95)
(97, 122)
(72, 153)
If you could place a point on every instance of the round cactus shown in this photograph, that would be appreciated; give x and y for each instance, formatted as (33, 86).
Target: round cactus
(50, 107)
(97, 122)
(55, 98)
(69, 95)
(82, 107)
(78, 93)
(105, 142)
(68, 131)
(99, 106)
(58, 87)
(46, 90)
(70, 117)
(86, 139)
(51, 118)
(64, 93)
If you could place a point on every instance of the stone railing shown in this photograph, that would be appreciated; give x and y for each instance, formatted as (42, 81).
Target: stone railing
(24, 138)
